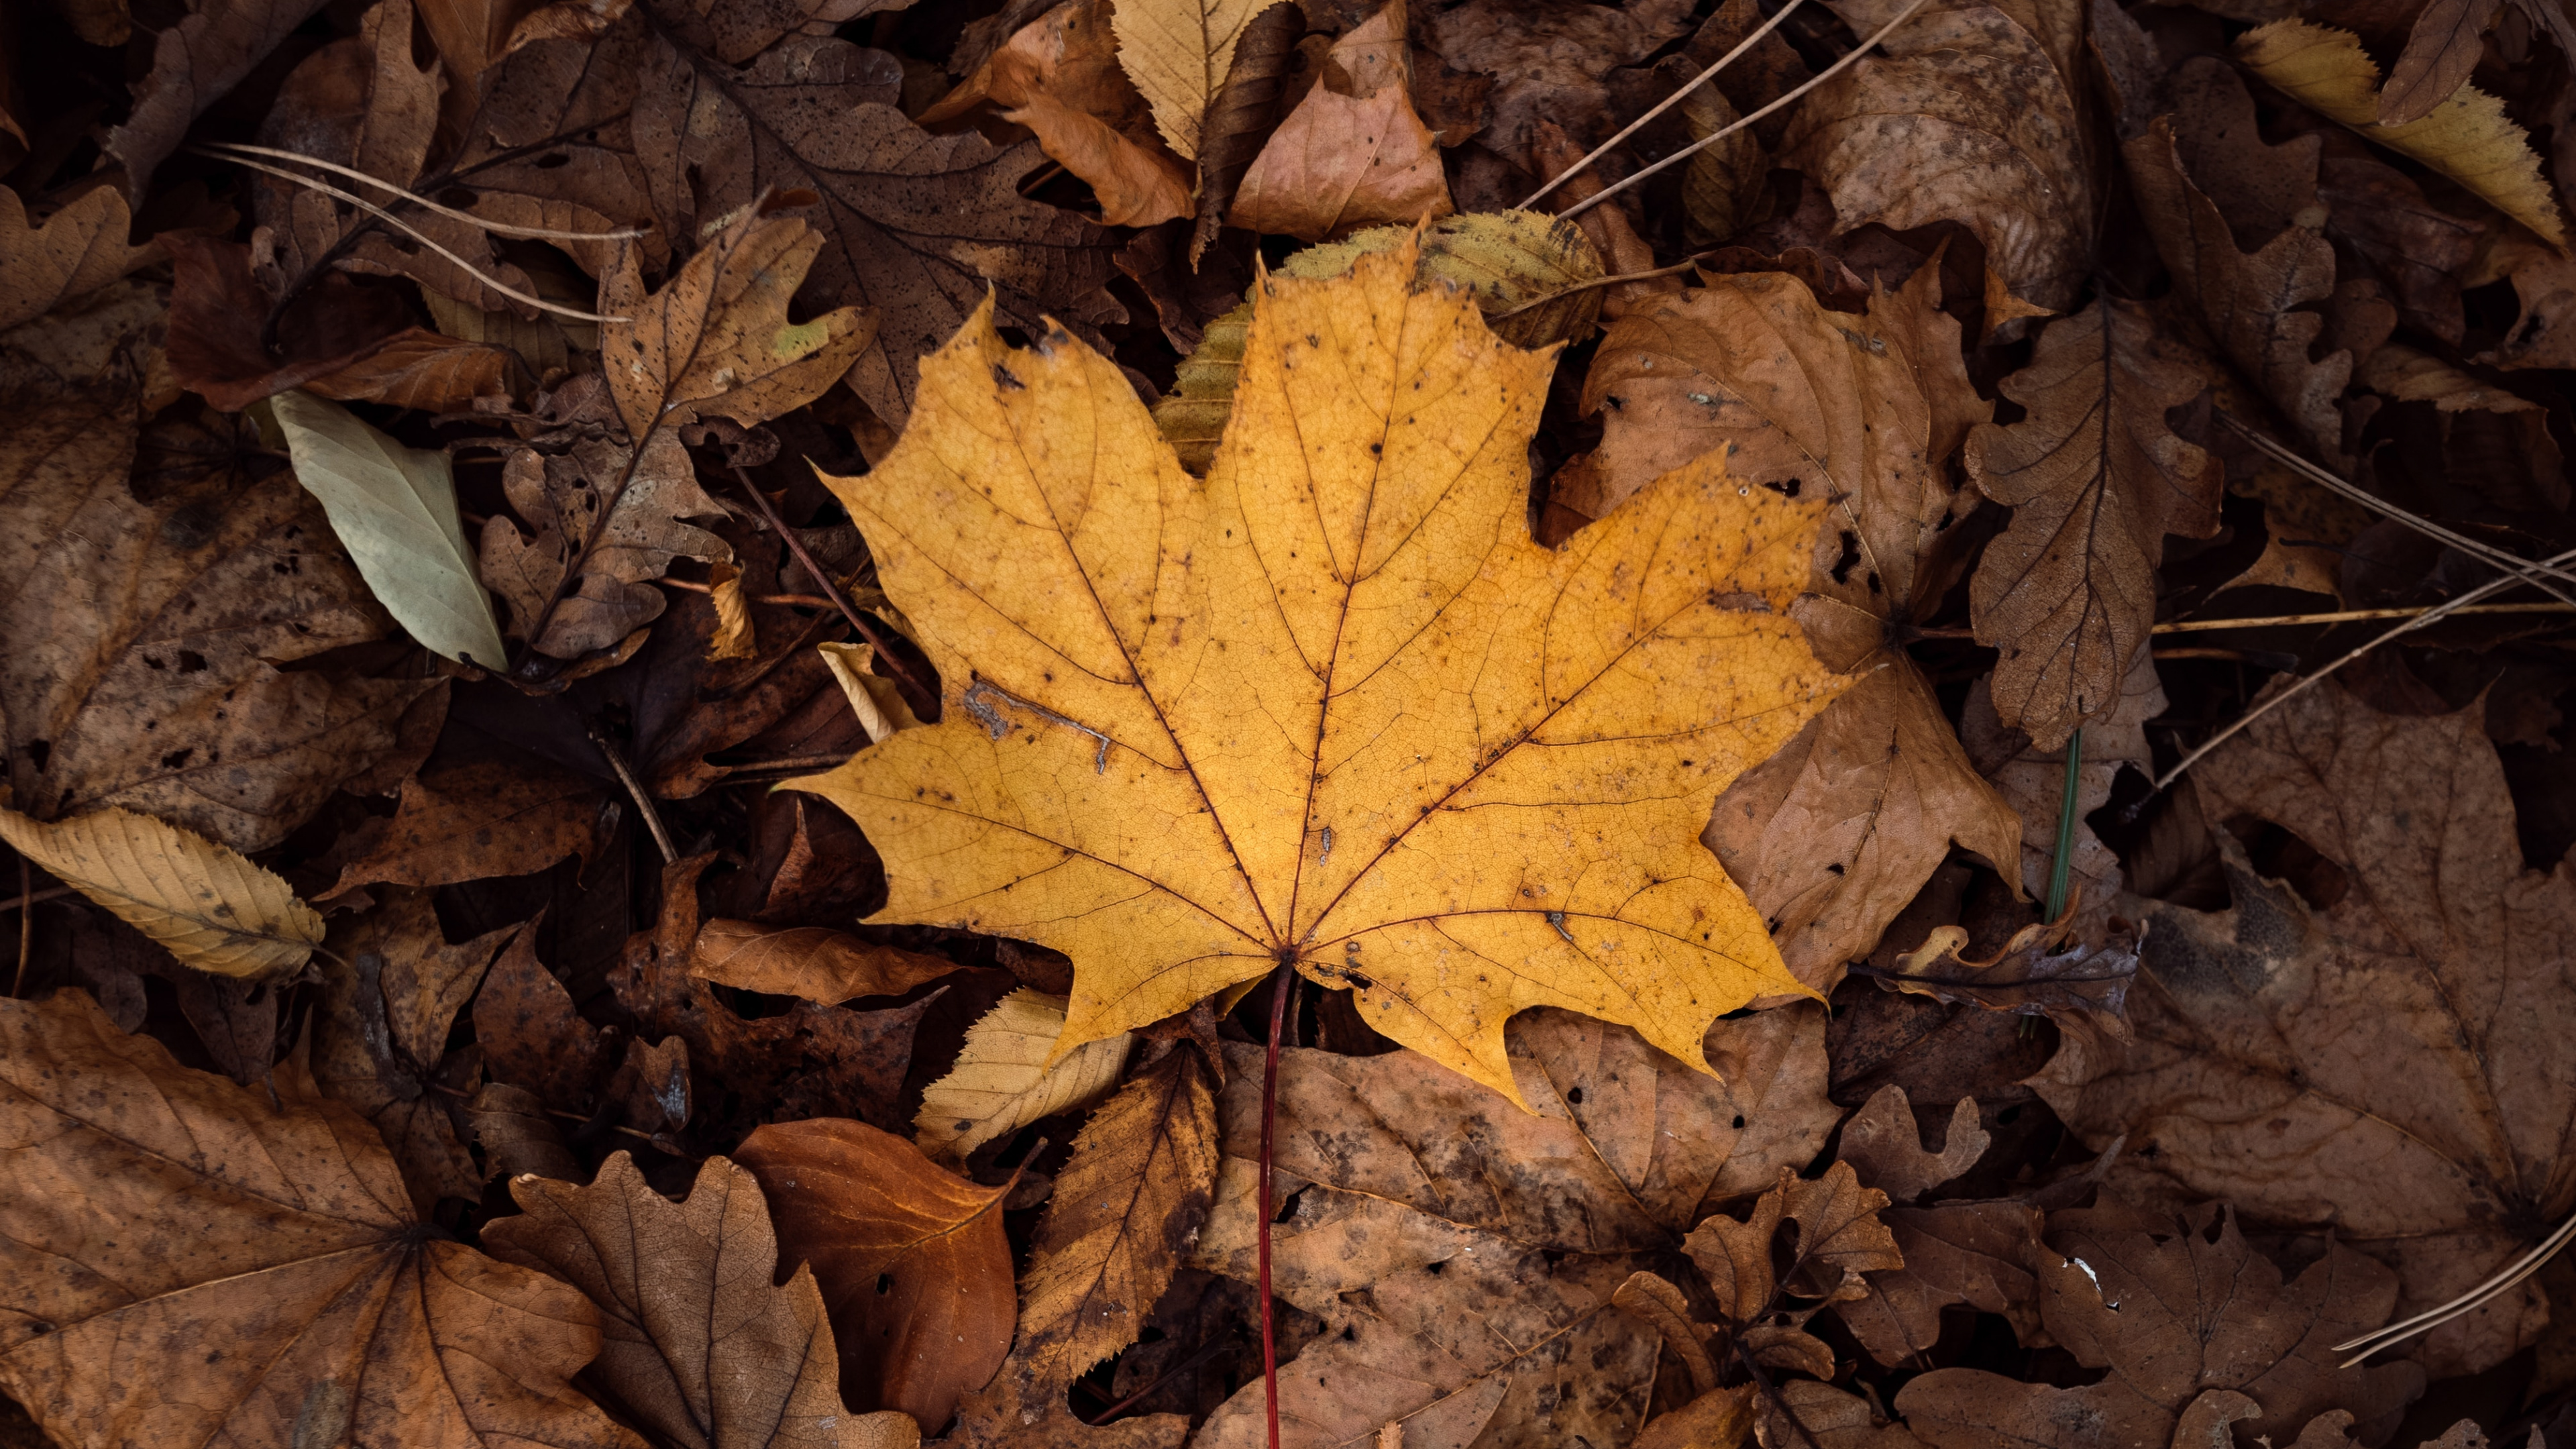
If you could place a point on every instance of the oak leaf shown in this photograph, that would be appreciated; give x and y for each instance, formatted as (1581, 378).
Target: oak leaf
(1001, 1082)
(193, 1261)
(913, 1268)
(2095, 477)
(1835, 833)
(1334, 707)
(205, 904)
(1353, 152)
(698, 1342)
(2389, 1056)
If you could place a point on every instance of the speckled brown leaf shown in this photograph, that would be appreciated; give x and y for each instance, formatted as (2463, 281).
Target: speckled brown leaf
(196, 1262)
(530, 1034)
(503, 814)
(2392, 1061)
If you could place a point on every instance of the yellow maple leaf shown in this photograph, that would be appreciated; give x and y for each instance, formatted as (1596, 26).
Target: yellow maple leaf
(1332, 706)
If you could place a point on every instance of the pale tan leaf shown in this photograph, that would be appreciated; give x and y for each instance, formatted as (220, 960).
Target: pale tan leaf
(1001, 1082)
(874, 698)
(1178, 52)
(206, 904)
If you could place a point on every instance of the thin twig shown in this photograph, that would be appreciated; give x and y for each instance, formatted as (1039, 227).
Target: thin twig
(504, 288)
(1281, 981)
(1668, 102)
(1684, 265)
(1720, 134)
(793, 601)
(496, 228)
(26, 923)
(2065, 856)
(1771, 1391)
(2524, 575)
(2335, 483)
(858, 617)
(35, 898)
(635, 788)
(2348, 616)
(2469, 1302)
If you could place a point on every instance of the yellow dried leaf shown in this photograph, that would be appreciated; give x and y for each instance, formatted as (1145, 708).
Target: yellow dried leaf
(1177, 52)
(1333, 706)
(204, 903)
(2467, 137)
(734, 637)
(1001, 1082)
(873, 697)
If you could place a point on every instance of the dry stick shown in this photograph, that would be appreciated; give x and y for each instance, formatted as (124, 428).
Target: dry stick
(497, 228)
(1281, 981)
(2526, 574)
(326, 188)
(1668, 102)
(26, 924)
(1771, 1391)
(793, 601)
(643, 802)
(35, 898)
(2337, 484)
(2469, 1302)
(2347, 616)
(858, 619)
(791, 762)
(1613, 279)
(1713, 137)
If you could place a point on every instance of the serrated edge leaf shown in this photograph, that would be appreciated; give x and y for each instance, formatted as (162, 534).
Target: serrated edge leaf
(203, 902)
(1010, 1044)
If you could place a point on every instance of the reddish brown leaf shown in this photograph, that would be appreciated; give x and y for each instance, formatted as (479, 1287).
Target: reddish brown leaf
(1352, 153)
(820, 965)
(495, 816)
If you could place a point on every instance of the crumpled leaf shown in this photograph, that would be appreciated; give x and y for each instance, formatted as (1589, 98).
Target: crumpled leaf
(195, 1262)
(2465, 136)
(2178, 1314)
(1125, 1209)
(380, 1035)
(1178, 53)
(1001, 1082)
(1353, 153)
(1839, 1237)
(698, 1342)
(630, 505)
(205, 904)
(1095, 129)
(913, 1268)
(2404, 1039)
(2095, 477)
(1964, 114)
(394, 508)
(1240, 115)
(153, 588)
(1834, 834)
(1194, 803)
(823, 966)
(877, 701)
(1509, 260)
(75, 251)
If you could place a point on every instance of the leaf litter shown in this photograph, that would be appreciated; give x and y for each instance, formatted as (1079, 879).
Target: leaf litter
(1167, 722)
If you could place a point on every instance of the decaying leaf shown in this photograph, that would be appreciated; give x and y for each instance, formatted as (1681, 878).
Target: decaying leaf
(197, 1262)
(75, 251)
(911, 1260)
(1353, 153)
(2441, 953)
(696, 1339)
(1001, 1082)
(194, 62)
(1293, 721)
(1838, 1238)
(502, 814)
(2465, 135)
(2096, 478)
(1239, 116)
(823, 966)
(206, 904)
(1060, 76)
(394, 508)
(529, 1032)
(2441, 50)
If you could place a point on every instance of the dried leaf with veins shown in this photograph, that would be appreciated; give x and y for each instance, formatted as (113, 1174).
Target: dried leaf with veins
(1835, 833)
(1240, 115)
(500, 813)
(1178, 52)
(2404, 1039)
(76, 250)
(1001, 1082)
(194, 62)
(158, 1210)
(2187, 1320)
(2441, 50)
(206, 905)
(823, 966)
(1353, 152)
(910, 1258)
(699, 1343)
(1335, 707)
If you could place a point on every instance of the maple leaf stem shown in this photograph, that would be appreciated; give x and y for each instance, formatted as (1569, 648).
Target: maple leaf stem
(1282, 982)
(858, 618)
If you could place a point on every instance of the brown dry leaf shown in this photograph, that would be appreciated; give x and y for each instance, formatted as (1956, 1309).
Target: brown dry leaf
(206, 905)
(1838, 1238)
(1463, 1253)
(1195, 804)
(1001, 1082)
(823, 966)
(1125, 1209)
(1718, 1419)
(198, 1262)
(1833, 835)
(1550, 63)
(920, 227)
(2441, 50)
(504, 814)
(698, 1342)
(2095, 477)
(1060, 77)
(380, 1035)
(216, 317)
(151, 605)
(1353, 153)
(2249, 301)
(2418, 250)
(1880, 1142)
(194, 62)
(530, 1033)
(2464, 135)
(1820, 1416)
(2181, 1312)
(2391, 1056)
(911, 1260)
(78, 249)
(424, 370)
(1240, 116)
(1179, 52)
(631, 505)
(1963, 115)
